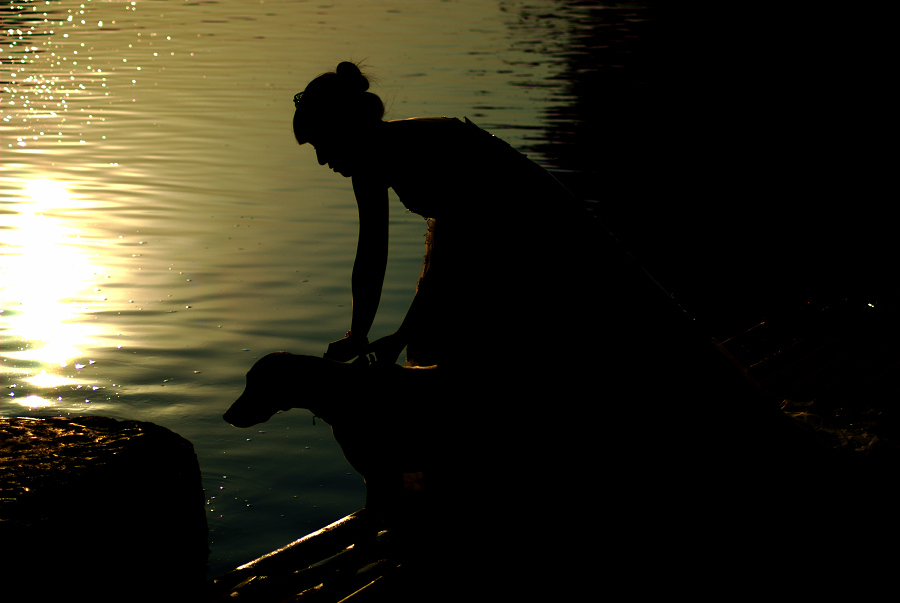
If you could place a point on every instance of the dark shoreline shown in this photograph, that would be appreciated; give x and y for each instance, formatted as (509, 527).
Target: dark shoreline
(728, 151)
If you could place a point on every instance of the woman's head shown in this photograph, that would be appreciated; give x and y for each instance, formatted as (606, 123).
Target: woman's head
(334, 102)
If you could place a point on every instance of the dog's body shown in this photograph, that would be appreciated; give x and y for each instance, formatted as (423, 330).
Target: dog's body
(382, 430)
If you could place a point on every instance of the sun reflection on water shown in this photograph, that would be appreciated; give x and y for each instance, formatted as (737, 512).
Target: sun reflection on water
(61, 131)
(47, 277)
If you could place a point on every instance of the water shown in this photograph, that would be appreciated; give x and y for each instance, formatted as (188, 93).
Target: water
(162, 230)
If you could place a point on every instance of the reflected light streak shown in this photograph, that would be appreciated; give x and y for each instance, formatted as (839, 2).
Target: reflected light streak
(33, 402)
(44, 272)
(47, 380)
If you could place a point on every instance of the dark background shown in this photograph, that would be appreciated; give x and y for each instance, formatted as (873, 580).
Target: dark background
(740, 154)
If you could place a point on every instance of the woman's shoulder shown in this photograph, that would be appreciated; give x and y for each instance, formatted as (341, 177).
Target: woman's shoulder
(421, 126)
(420, 138)
(420, 120)
(444, 136)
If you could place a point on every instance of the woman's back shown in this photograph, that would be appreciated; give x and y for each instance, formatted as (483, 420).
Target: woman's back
(443, 167)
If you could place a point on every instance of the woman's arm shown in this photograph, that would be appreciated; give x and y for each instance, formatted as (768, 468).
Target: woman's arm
(423, 299)
(371, 253)
(368, 268)
(387, 349)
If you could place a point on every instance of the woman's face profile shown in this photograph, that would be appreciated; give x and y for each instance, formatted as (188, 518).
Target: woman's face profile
(341, 149)
(332, 156)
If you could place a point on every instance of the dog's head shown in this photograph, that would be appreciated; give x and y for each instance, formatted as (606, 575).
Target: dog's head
(281, 381)
(264, 393)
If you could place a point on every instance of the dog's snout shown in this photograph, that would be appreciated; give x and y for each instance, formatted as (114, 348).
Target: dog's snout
(236, 414)
(248, 411)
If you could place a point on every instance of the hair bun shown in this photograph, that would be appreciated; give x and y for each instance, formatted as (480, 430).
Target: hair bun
(352, 77)
(339, 94)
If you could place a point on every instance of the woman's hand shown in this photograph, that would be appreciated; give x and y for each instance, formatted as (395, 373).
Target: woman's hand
(346, 348)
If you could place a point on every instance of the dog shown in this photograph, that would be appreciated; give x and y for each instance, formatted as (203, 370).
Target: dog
(372, 410)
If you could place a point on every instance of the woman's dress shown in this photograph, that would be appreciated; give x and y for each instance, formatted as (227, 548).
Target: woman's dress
(576, 394)
(509, 248)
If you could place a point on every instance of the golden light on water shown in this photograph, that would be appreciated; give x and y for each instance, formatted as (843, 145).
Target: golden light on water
(34, 401)
(42, 380)
(46, 380)
(48, 193)
(46, 274)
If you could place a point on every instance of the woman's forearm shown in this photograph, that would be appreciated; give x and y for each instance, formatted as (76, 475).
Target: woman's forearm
(366, 284)
(371, 253)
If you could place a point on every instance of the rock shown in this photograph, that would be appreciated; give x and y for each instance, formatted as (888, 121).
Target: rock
(112, 510)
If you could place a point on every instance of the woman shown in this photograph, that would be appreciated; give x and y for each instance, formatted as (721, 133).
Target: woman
(587, 372)
(506, 244)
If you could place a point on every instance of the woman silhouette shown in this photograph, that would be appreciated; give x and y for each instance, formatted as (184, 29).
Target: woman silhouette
(506, 242)
(586, 372)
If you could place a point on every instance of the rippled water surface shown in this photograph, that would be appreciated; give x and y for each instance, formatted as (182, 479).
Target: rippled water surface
(161, 229)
